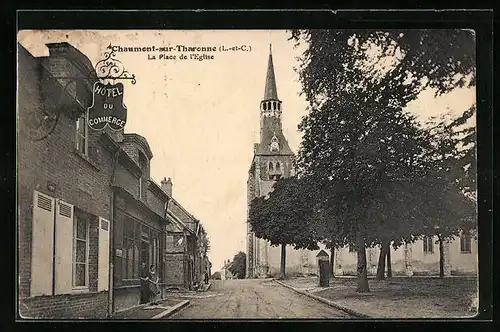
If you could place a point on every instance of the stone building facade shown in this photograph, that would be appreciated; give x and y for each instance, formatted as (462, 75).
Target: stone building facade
(420, 258)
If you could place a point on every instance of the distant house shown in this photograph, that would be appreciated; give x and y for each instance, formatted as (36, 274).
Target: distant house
(225, 273)
(185, 254)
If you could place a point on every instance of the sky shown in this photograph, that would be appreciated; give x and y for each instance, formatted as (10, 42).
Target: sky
(201, 118)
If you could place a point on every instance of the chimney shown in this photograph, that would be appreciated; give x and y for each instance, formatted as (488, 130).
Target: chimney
(166, 186)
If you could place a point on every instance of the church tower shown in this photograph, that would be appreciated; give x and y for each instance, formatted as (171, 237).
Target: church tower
(272, 160)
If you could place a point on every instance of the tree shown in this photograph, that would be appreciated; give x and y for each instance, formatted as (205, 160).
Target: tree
(359, 146)
(453, 181)
(282, 219)
(238, 266)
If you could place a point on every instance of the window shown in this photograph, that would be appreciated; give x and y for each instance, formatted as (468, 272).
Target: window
(428, 245)
(465, 243)
(82, 134)
(352, 248)
(264, 106)
(278, 167)
(130, 251)
(271, 168)
(80, 251)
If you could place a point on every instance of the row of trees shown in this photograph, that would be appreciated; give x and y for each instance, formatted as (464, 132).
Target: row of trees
(368, 173)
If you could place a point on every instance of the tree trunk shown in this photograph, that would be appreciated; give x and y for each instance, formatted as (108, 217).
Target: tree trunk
(388, 254)
(283, 261)
(441, 257)
(332, 263)
(381, 263)
(361, 266)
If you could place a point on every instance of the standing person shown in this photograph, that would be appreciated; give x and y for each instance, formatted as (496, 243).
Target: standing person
(153, 285)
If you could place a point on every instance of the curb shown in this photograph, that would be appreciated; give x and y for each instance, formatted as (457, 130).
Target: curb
(172, 310)
(328, 302)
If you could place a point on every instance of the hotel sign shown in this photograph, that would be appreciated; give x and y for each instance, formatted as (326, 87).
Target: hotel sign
(107, 107)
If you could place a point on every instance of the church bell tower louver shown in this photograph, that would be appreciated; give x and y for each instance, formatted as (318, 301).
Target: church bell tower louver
(272, 160)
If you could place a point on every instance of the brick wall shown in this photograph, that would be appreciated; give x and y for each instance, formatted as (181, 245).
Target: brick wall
(155, 203)
(179, 213)
(127, 180)
(174, 264)
(79, 180)
(86, 305)
(126, 298)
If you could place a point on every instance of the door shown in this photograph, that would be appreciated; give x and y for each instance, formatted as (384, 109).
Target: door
(145, 254)
(324, 273)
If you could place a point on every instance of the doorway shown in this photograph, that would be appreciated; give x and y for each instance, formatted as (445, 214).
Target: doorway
(145, 270)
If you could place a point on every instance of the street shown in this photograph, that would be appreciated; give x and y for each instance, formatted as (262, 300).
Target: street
(254, 298)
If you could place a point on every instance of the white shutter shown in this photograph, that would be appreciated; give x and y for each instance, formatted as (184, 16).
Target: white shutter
(64, 248)
(42, 244)
(103, 260)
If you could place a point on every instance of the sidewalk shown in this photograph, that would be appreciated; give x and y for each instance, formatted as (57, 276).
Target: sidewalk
(165, 307)
(402, 297)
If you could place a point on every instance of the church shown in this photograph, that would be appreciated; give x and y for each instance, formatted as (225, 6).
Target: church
(273, 159)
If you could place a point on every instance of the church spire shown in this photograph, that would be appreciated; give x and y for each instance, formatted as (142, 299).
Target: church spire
(270, 91)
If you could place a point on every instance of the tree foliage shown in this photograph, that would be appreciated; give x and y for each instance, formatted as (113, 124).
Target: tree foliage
(238, 265)
(373, 167)
(281, 217)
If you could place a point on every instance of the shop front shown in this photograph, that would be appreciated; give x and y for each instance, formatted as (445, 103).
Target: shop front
(139, 234)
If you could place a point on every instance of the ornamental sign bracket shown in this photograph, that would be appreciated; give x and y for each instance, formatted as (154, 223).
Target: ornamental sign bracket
(109, 68)
(107, 108)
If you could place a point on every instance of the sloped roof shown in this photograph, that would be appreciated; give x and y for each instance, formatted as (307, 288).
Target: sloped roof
(263, 148)
(270, 91)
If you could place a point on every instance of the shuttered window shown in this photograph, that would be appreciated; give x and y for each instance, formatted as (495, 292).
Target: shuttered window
(103, 258)
(64, 242)
(42, 244)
